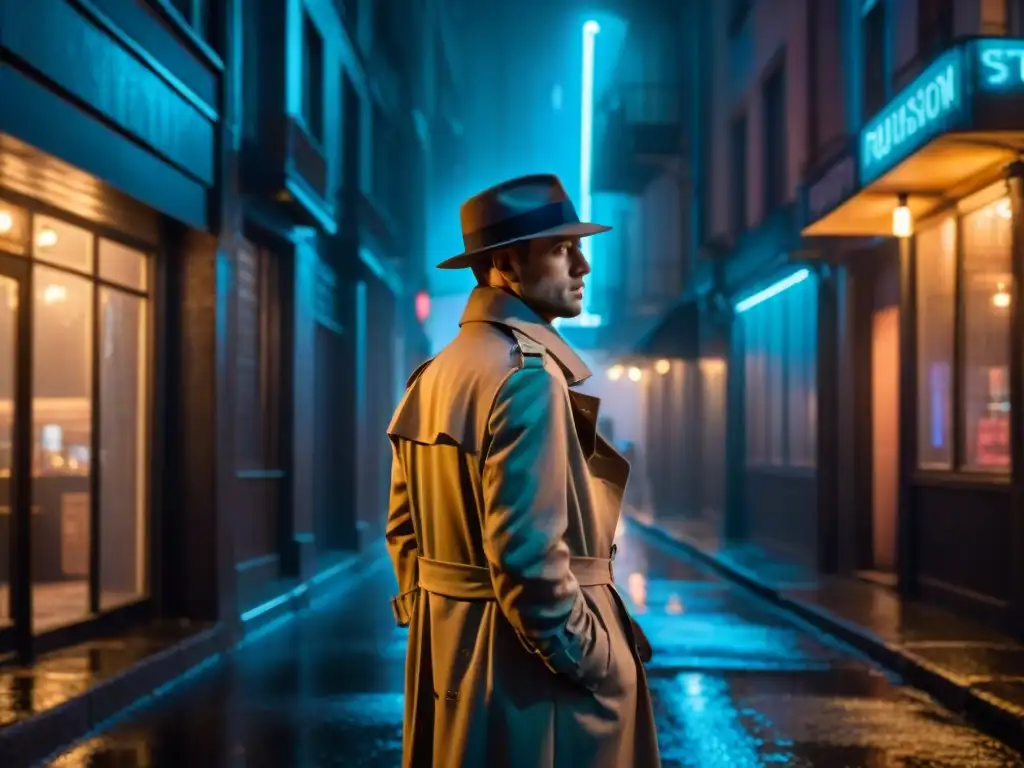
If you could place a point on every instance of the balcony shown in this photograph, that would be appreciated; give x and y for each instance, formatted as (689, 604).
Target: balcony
(639, 128)
(289, 168)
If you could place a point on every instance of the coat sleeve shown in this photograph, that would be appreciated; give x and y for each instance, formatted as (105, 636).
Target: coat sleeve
(401, 541)
(525, 516)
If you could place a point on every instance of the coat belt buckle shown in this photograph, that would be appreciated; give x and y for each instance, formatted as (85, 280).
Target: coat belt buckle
(611, 561)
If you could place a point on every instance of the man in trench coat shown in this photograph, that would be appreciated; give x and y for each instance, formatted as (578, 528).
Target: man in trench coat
(504, 506)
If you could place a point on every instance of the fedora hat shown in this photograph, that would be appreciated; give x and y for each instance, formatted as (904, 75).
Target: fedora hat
(525, 208)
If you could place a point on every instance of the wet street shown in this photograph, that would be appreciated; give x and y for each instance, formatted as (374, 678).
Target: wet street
(737, 684)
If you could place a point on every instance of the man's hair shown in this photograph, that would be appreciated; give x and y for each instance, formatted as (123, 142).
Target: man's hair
(482, 268)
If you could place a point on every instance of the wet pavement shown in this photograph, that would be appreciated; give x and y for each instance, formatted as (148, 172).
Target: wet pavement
(737, 684)
(967, 665)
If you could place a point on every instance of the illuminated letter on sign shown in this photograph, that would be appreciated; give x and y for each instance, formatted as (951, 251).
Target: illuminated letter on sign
(1002, 64)
(913, 117)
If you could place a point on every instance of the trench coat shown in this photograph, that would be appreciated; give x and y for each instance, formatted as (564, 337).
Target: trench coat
(503, 509)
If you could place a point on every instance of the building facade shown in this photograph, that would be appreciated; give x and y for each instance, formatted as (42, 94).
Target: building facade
(207, 297)
(728, 444)
(918, 207)
(863, 265)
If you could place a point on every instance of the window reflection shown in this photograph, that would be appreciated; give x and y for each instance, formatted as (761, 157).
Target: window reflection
(13, 228)
(62, 244)
(61, 462)
(123, 452)
(986, 333)
(8, 357)
(123, 265)
(936, 307)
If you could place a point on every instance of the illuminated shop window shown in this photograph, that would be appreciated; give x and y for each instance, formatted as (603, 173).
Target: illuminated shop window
(88, 303)
(936, 304)
(986, 337)
(983, 422)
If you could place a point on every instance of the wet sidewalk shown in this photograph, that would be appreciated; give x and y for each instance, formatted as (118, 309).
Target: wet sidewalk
(968, 667)
(76, 691)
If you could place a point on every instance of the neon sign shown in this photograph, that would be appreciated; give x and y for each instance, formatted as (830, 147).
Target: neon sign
(1001, 64)
(918, 114)
(773, 290)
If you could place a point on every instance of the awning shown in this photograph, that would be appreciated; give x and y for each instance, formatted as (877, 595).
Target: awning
(675, 335)
(956, 125)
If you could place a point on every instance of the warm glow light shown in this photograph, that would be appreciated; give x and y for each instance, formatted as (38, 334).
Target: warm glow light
(615, 372)
(1001, 298)
(1003, 209)
(6, 222)
(712, 366)
(662, 367)
(54, 294)
(902, 222)
(635, 374)
(47, 238)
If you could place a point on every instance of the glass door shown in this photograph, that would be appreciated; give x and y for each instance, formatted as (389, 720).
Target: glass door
(15, 461)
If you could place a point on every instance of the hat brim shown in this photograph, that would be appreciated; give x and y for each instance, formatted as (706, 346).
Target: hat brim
(469, 258)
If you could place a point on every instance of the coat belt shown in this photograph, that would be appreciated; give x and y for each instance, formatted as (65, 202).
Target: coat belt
(473, 582)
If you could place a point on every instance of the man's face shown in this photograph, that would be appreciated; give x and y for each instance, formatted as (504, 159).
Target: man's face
(549, 277)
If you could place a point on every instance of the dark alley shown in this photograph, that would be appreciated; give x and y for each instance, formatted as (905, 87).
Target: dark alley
(325, 323)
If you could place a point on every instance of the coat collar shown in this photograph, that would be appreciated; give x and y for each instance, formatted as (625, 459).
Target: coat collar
(494, 305)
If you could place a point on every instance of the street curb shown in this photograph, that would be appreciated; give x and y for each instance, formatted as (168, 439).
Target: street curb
(987, 713)
(275, 612)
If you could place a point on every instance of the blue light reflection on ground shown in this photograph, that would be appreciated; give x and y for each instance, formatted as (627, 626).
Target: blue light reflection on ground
(709, 732)
(735, 684)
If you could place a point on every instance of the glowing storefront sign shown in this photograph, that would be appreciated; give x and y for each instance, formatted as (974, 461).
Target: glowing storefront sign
(1001, 64)
(918, 114)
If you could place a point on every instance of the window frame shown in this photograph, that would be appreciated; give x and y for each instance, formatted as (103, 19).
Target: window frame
(774, 148)
(957, 466)
(761, 425)
(739, 174)
(201, 27)
(149, 294)
(313, 109)
(869, 13)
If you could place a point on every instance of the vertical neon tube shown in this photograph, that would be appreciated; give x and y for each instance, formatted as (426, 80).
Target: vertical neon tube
(590, 31)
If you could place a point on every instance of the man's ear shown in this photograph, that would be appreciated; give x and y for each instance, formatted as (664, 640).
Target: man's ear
(502, 260)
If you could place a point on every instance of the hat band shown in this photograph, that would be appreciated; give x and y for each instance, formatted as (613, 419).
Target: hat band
(525, 224)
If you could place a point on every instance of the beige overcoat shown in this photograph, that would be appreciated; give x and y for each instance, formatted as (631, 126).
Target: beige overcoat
(504, 505)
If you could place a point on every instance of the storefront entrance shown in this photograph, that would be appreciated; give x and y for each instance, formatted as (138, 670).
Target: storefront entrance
(74, 428)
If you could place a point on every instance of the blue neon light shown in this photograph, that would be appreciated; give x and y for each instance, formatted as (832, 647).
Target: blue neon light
(1001, 64)
(773, 290)
(590, 31)
(918, 114)
(939, 375)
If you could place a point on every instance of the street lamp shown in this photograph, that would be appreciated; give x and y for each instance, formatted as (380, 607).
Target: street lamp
(902, 222)
(591, 29)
